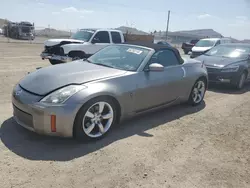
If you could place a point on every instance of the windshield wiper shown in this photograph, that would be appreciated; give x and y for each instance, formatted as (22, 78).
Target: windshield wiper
(103, 65)
(85, 59)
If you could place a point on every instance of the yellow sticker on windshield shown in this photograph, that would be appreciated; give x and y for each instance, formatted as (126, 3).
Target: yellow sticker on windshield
(135, 51)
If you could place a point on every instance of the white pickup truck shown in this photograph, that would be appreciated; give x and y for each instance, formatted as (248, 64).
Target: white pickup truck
(82, 44)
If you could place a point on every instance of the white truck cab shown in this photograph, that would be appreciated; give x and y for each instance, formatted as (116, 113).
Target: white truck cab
(82, 44)
(204, 45)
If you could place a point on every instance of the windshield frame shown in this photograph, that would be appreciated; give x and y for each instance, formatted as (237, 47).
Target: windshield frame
(233, 49)
(204, 41)
(140, 65)
(87, 39)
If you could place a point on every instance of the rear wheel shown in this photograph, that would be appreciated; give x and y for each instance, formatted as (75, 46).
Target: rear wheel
(185, 52)
(198, 92)
(95, 119)
(54, 62)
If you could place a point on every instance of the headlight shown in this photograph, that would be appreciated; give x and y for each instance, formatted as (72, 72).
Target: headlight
(234, 68)
(61, 95)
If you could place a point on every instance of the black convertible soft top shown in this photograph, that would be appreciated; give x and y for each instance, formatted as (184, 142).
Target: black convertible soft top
(156, 47)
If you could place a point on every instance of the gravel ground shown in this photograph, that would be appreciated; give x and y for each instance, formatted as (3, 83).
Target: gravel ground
(179, 147)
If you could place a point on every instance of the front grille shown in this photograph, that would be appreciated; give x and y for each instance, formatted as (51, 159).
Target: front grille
(56, 50)
(212, 77)
(212, 70)
(23, 117)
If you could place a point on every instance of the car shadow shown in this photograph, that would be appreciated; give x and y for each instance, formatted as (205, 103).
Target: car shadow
(32, 146)
(228, 89)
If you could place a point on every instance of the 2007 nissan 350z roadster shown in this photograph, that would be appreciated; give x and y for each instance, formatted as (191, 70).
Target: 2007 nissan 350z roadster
(85, 98)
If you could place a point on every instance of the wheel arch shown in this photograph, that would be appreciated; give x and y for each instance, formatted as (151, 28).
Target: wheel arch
(110, 96)
(246, 71)
(204, 78)
(79, 52)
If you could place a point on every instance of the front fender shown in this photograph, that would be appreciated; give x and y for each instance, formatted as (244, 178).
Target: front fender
(96, 89)
(75, 47)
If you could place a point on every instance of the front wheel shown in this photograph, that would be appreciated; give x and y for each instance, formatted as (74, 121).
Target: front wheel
(55, 62)
(95, 119)
(198, 92)
(241, 82)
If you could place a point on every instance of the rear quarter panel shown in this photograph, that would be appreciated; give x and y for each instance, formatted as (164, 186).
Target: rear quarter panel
(194, 70)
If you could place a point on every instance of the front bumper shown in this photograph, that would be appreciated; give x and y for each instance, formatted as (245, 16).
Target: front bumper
(37, 117)
(64, 59)
(223, 77)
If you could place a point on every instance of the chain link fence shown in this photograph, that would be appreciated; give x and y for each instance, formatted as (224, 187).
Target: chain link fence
(32, 34)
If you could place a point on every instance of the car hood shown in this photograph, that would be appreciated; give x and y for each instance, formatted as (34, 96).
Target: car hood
(218, 61)
(53, 42)
(200, 49)
(48, 79)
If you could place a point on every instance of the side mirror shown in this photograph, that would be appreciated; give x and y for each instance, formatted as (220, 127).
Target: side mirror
(95, 40)
(156, 67)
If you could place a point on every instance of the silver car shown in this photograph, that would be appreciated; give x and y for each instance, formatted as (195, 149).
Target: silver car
(85, 98)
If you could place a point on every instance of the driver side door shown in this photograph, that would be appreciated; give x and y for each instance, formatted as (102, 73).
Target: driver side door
(158, 88)
(100, 40)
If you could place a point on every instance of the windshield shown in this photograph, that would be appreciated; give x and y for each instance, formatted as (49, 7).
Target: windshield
(229, 51)
(205, 43)
(82, 35)
(26, 29)
(124, 57)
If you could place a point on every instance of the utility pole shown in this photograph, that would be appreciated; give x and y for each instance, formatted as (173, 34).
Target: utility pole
(167, 25)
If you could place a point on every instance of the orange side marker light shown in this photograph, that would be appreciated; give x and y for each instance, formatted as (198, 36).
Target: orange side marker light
(53, 123)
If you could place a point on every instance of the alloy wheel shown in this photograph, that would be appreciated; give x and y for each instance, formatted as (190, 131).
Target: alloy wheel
(198, 91)
(242, 81)
(98, 119)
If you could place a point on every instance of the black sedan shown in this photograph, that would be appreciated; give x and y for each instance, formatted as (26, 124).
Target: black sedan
(164, 43)
(228, 63)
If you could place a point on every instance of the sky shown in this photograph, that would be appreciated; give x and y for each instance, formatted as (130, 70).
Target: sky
(231, 18)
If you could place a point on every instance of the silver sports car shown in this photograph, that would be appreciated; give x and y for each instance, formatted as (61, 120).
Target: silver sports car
(85, 98)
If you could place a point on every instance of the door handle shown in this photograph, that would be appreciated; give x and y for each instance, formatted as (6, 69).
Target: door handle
(184, 72)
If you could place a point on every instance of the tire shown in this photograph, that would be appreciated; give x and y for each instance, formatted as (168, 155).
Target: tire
(185, 52)
(86, 128)
(55, 62)
(194, 101)
(75, 55)
(241, 81)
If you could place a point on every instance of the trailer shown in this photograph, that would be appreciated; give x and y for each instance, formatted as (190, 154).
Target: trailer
(20, 30)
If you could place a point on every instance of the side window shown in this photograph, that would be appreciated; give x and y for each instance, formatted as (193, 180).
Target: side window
(166, 58)
(116, 37)
(217, 43)
(102, 37)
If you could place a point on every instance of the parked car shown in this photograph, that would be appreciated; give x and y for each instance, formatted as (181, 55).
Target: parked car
(163, 43)
(206, 44)
(88, 97)
(228, 63)
(82, 44)
(187, 46)
(85, 43)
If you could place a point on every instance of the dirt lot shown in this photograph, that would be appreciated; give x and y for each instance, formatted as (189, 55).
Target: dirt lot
(205, 146)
